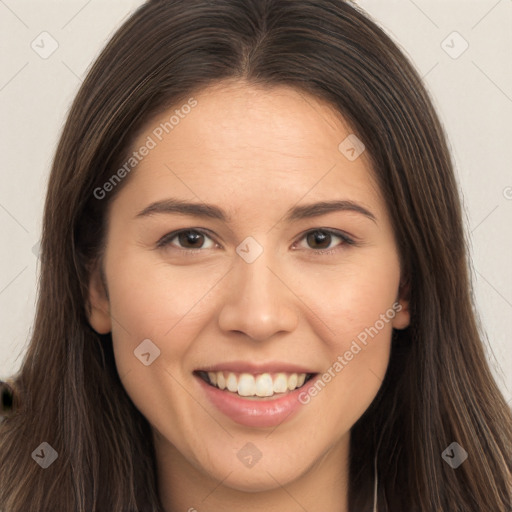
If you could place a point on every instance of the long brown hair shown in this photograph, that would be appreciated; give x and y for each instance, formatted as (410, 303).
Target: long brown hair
(438, 388)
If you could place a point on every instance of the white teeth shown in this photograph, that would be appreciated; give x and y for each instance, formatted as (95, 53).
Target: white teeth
(280, 383)
(221, 381)
(245, 384)
(232, 383)
(292, 381)
(262, 385)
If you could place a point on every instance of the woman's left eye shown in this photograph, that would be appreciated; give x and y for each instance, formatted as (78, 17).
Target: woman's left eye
(192, 240)
(324, 238)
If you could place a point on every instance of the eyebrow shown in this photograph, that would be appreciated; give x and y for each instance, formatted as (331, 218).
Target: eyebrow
(180, 207)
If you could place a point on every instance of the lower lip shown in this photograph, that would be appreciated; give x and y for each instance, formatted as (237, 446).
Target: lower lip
(255, 413)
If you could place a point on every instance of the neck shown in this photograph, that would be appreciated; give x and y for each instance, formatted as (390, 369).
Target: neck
(183, 487)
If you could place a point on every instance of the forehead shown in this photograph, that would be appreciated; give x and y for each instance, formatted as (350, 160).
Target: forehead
(243, 143)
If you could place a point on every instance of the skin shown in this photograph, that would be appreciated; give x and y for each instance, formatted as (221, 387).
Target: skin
(254, 153)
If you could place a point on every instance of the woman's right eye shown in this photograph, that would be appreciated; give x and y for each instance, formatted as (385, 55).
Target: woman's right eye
(184, 237)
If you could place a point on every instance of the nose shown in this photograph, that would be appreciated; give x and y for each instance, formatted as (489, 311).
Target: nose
(259, 301)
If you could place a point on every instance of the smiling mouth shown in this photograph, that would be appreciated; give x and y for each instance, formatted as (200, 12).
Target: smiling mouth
(263, 385)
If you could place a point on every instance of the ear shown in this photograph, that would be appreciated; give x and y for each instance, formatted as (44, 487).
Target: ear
(402, 318)
(98, 308)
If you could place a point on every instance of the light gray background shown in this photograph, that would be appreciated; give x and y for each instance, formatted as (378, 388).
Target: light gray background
(473, 95)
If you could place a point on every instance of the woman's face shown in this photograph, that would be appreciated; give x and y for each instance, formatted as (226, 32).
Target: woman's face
(248, 295)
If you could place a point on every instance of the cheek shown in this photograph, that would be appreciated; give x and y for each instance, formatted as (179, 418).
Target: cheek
(350, 298)
(152, 301)
(355, 313)
(168, 306)
(155, 300)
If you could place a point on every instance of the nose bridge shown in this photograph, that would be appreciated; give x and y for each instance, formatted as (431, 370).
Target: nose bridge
(259, 303)
(256, 278)
(252, 268)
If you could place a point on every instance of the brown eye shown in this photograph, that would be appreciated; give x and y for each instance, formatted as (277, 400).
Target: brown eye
(194, 238)
(319, 239)
(323, 241)
(187, 240)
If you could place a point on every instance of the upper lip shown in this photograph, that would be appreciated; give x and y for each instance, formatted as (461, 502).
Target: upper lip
(247, 367)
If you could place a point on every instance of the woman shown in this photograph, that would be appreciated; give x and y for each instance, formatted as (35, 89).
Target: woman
(254, 369)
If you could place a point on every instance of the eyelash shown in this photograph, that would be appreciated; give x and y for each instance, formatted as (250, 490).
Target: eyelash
(165, 241)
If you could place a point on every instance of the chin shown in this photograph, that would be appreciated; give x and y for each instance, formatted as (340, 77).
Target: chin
(261, 477)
